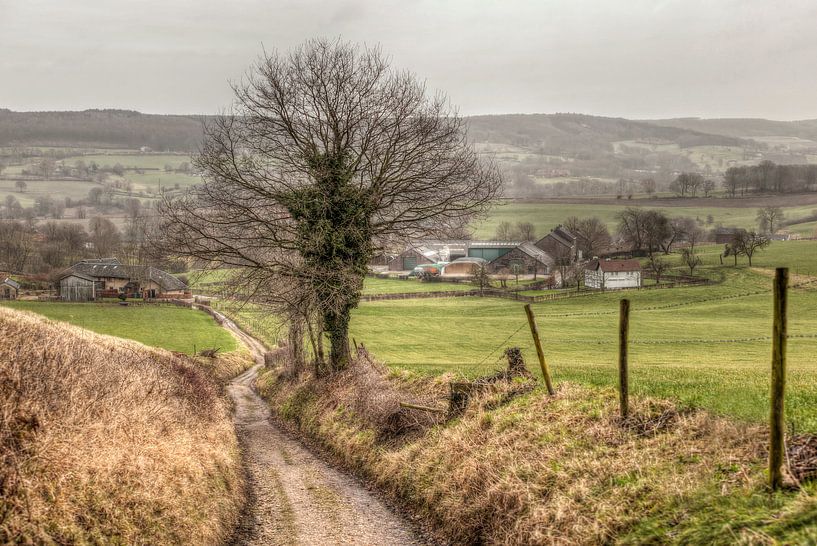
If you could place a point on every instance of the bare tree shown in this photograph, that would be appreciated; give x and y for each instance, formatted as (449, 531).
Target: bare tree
(481, 278)
(648, 185)
(769, 218)
(104, 235)
(328, 154)
(525, 231)
(504, 231)
(658, 267)
(592, 236)
(690, 259)
(20, 185)
(749, 242)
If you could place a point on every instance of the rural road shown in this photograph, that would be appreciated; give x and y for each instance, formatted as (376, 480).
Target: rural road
(295, 497)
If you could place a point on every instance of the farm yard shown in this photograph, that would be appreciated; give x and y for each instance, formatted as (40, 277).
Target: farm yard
(169, 327)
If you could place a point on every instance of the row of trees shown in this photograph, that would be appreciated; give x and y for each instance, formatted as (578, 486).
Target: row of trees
(767, 177)
(51, 246)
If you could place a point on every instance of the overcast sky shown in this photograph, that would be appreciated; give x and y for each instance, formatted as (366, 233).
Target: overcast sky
(630, 58)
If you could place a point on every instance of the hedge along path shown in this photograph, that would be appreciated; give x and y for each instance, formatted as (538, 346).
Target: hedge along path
(294, 497)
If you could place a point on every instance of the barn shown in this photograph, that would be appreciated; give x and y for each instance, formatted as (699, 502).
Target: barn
(412, 257)
(526, 259)
(77, 287)
(9, 289)
(612, 274)
(559, 242)
(112, 279)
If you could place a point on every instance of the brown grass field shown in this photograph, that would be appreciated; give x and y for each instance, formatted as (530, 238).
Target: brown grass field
(104, 440)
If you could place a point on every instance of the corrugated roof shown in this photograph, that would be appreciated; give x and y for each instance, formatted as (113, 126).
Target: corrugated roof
(12, 283)
(609, 266)
(536, 253)
(111, 268)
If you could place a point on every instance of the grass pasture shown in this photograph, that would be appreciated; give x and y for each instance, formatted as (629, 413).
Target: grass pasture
(702, 346)
(547, 215)
(168, 327)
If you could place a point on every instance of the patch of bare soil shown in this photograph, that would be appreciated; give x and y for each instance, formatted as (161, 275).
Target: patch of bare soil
(295, 497)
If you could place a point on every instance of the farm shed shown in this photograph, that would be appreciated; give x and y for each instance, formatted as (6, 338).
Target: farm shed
(9, 289)
(490, 250)
(77, 287)
(112, 278)
(558, 242)
(726, 235)
(527, 257)
(412, 257)
(612, 274)
(463, 267)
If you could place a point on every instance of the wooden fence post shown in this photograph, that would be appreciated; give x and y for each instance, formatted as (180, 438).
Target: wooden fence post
(777, 440)
(623, 372)
(535, 333)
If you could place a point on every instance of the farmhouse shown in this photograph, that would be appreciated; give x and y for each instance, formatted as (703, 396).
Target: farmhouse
(526, 258)
(9, 289)
(559, 242)
(107, 277)
(612, 274)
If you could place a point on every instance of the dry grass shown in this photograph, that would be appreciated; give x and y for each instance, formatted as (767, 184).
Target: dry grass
(107, 440)
(561, 470)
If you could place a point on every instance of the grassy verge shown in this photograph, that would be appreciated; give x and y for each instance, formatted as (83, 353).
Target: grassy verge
(537, 470)
(105, 440)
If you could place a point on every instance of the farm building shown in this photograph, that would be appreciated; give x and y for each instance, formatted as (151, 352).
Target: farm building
(526, 258)
(9, 289)
(463, 267)
(612, 274)
(77, 287)
(412, 257)
(559, 242)
(111, 278)
(490, 250)
(726, 235)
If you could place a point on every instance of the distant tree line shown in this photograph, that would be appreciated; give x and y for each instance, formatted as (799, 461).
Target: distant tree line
(768, 177)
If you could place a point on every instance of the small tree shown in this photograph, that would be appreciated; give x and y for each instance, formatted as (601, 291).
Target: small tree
(481, 278)
(526, 231)
(749, 242)
(504, 231)
(648, 185)
(708, 187)
(658, 267)
(691, 259)
(769, 218)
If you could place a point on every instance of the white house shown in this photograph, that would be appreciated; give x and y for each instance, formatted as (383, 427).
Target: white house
(612, 274)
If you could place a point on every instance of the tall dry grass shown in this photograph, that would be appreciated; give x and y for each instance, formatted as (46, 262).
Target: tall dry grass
(534, 469)
(107, 440)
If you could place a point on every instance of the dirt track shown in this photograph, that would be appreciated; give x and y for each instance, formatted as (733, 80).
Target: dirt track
(295, 497)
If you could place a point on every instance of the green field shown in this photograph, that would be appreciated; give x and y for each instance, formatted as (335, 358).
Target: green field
(546, 216)
(168, 327)
(373, 285)
(697, 345)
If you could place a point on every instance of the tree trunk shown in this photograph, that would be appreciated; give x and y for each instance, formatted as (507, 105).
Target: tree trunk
(337, 325)
(296, 344)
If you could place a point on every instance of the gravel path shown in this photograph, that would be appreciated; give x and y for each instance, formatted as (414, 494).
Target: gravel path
(295, 497)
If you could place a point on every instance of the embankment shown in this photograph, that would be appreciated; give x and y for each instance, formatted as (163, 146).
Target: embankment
(534, 469)
(107, 440)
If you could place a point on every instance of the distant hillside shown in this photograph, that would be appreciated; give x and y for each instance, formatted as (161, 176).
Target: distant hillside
(744, 127)
(560, 133)
(101, 129)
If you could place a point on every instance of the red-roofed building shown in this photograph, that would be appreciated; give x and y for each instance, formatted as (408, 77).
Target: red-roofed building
(612, 274)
